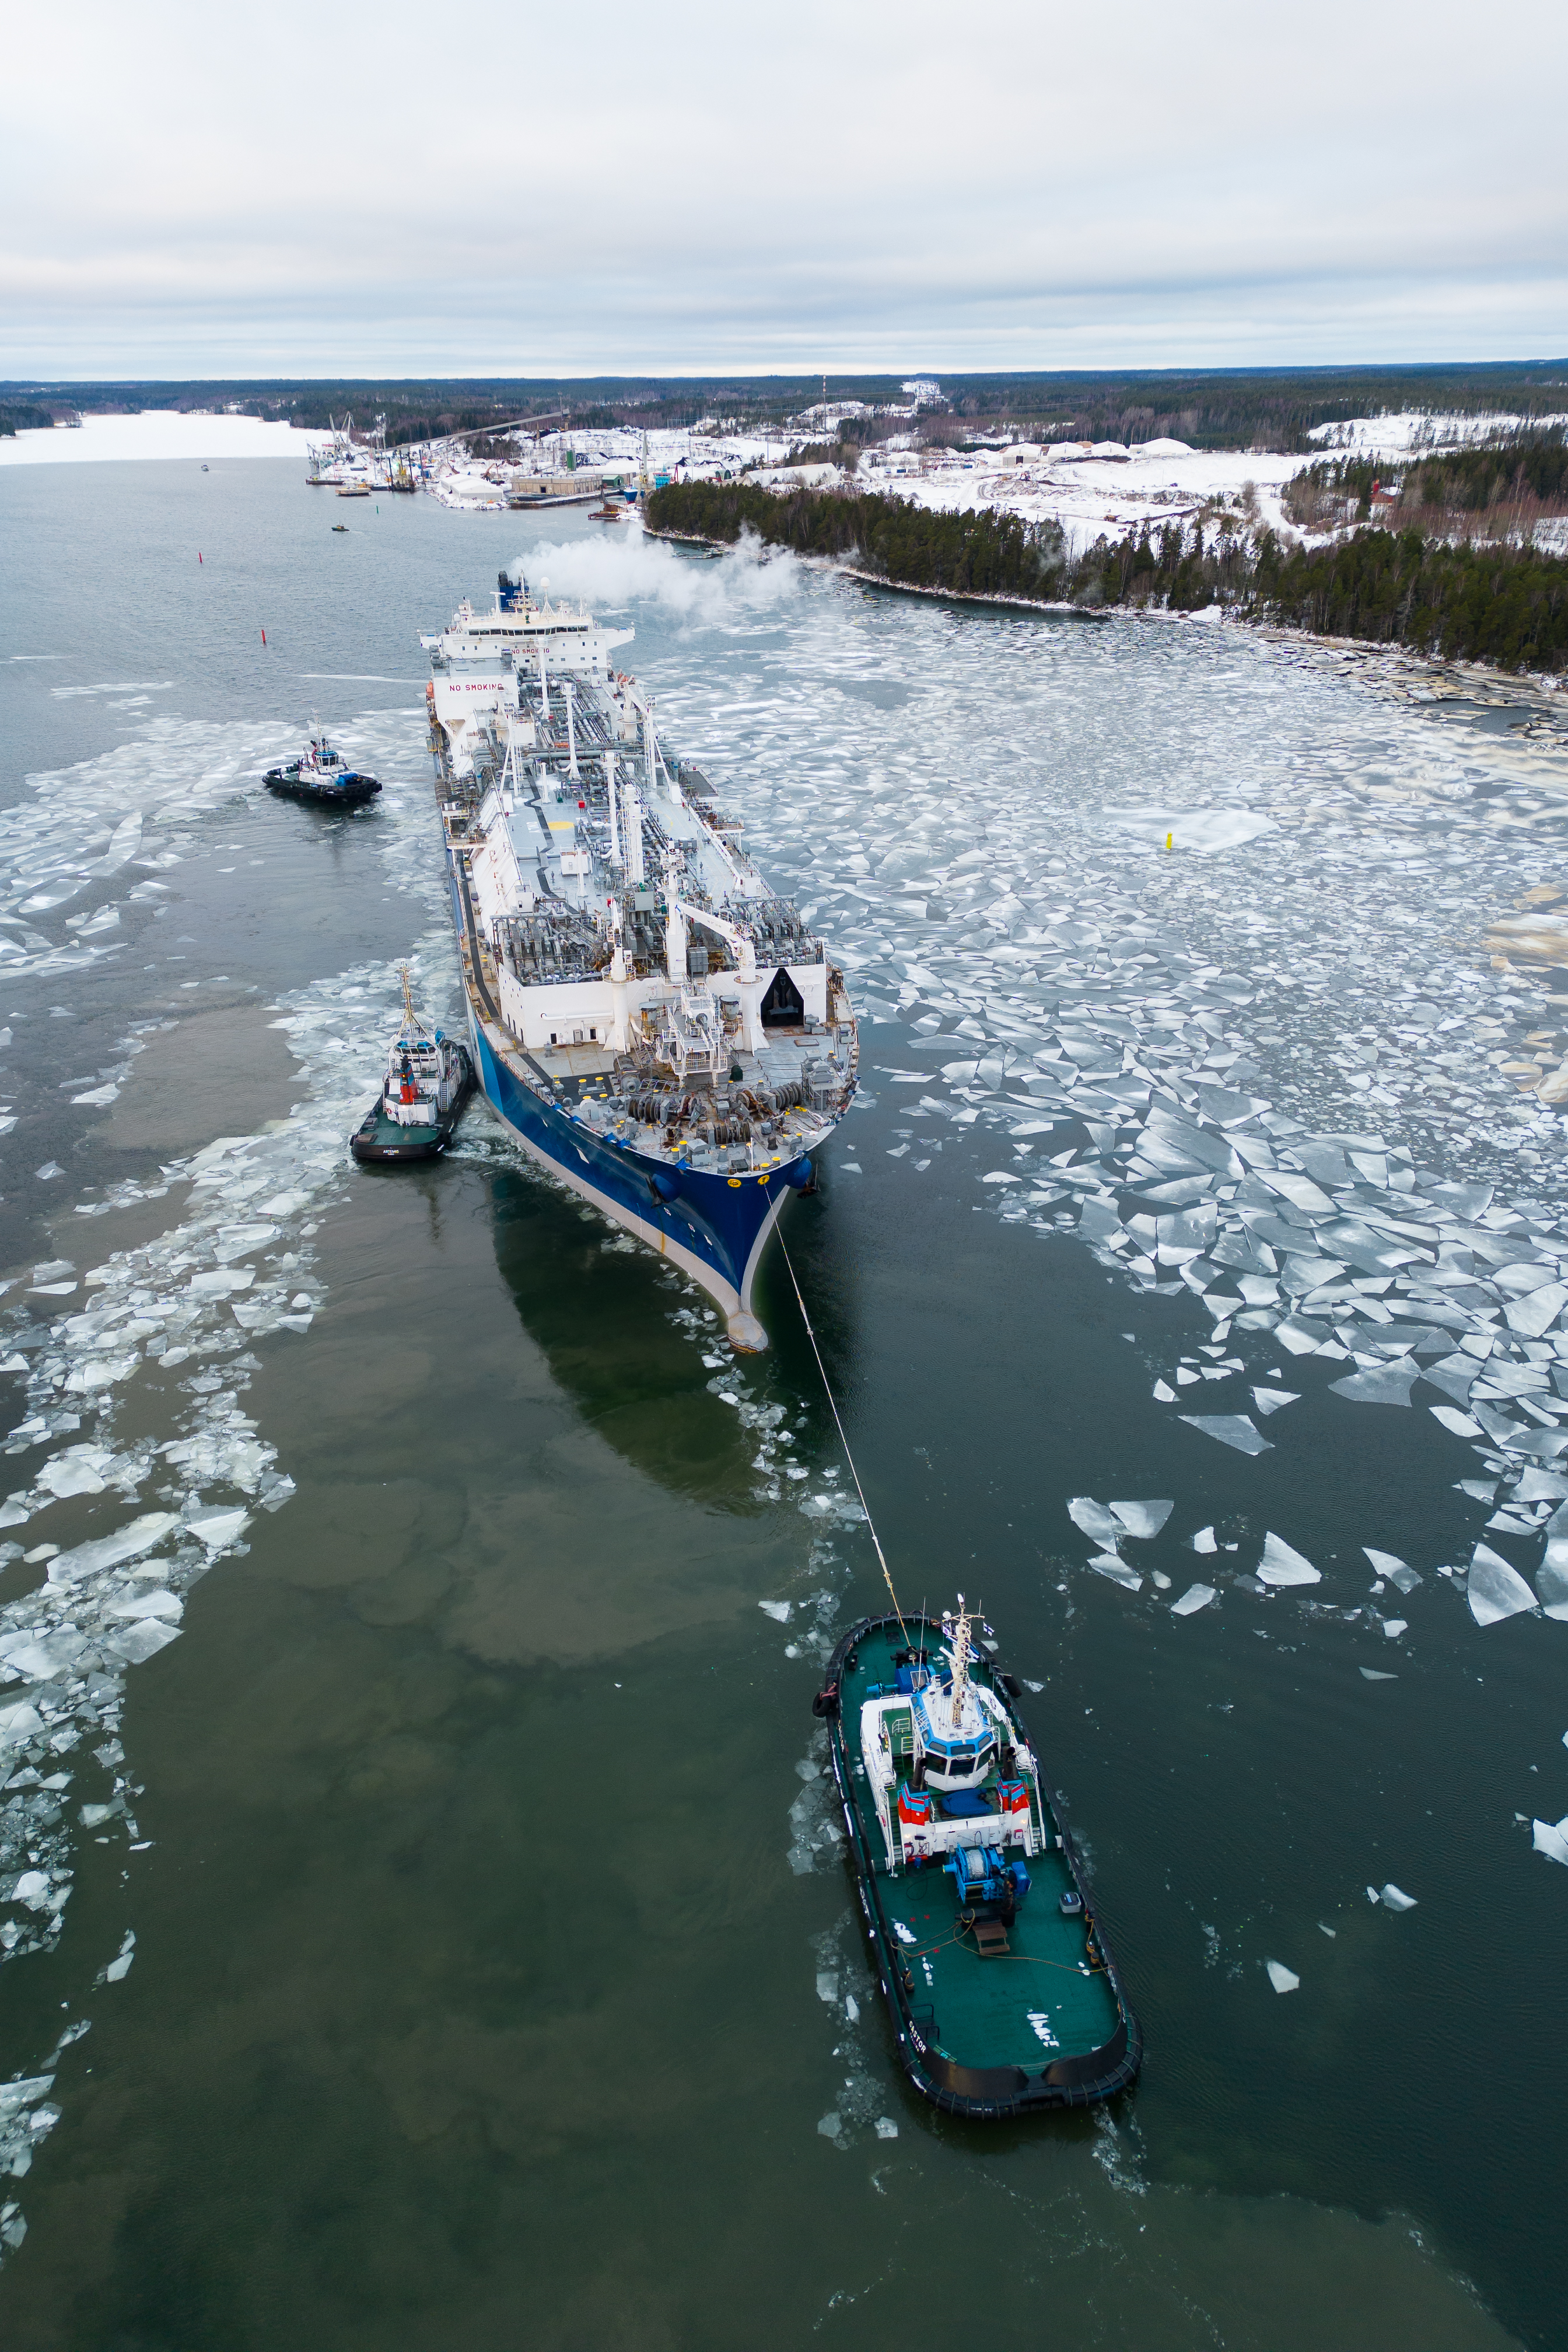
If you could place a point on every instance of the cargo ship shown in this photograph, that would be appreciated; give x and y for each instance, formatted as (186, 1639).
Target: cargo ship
(657, 1026)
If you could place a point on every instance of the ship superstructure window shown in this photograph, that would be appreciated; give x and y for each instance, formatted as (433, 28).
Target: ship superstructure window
(961, 1761)
(783, 1007)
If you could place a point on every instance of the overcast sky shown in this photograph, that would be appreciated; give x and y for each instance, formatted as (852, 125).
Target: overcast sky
(293, 189)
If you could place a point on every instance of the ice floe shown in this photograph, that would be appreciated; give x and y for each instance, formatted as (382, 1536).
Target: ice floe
(1494, 1590)
(1231, 1429)
(1097, 1520)
(1142, 1519)
(1550, 1838)
(1108, 1564)
(1195, 1596)
(1281, 1565)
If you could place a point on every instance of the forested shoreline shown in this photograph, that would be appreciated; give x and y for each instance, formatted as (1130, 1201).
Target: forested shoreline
(1506, 606)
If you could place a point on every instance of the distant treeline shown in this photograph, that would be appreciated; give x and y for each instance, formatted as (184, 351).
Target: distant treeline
(1507, 605)
(20, 417)
(1264, 408)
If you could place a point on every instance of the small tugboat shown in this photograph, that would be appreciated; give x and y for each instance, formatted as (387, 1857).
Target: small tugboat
(1003, 1995)
(322, 775)
(429, 1078)
(340, 526)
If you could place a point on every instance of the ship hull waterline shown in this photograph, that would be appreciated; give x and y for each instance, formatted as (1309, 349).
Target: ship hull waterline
(714, 1229)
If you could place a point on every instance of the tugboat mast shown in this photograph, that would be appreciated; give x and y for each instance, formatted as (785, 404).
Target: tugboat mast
(961, 1656)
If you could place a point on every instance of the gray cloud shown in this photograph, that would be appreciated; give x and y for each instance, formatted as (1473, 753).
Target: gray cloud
(318, 191)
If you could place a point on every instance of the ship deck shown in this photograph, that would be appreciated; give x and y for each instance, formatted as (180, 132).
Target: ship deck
(1037, 1999)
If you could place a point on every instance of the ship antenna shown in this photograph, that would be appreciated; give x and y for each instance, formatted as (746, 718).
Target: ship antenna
(833, 1405)
(415, 1026)
(961, 1653)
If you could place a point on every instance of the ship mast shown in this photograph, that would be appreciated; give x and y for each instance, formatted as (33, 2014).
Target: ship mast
(961, 1653)
(413, 1026)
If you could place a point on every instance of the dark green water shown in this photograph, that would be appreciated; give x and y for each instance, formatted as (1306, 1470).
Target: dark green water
(474, 1998)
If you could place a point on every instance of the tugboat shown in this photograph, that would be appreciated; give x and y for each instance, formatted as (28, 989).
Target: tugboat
(1003, 1992)
(322, 775)
(429, 1078)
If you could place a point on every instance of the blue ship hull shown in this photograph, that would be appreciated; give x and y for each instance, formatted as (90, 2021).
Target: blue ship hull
(713, 1226)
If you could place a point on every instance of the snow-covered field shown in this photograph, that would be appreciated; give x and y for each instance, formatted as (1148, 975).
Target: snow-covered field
(156, 432)
(1414, 433)
(1090, 496)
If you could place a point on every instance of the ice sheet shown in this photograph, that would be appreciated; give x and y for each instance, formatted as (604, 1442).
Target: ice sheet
(1142, 1519)
(1195, 1596)
(1496, 1590)
(1230, 1428)
(1205, 830)
(1550, 1838)
(1096, 1521)
(1384, 1384)
(1282, 1565)
(1106, 1564)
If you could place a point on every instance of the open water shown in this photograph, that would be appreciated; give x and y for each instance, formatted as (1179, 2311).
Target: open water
(424, 1921)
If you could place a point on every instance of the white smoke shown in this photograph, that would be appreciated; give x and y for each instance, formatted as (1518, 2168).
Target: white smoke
(625, 567)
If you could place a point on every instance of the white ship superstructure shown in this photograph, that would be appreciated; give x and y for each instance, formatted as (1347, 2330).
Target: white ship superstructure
(656, 1024)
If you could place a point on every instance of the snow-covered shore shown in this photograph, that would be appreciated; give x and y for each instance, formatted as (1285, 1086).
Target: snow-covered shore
(1091, 490)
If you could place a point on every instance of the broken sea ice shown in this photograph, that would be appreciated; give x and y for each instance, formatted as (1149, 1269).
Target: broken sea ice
(1142, 1519)
(1195, 1596)
(1495, 1590)
(1232, 1428)
(1281, 1565)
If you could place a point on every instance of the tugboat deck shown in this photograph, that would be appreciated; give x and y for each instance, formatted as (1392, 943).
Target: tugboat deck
(964, 1999)
(1000, 2008)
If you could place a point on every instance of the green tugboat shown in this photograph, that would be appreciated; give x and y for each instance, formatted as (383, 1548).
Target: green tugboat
(429, 1079)
(1003, 1992)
